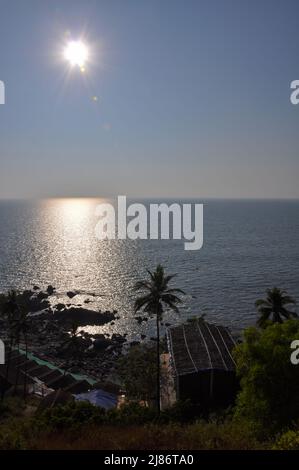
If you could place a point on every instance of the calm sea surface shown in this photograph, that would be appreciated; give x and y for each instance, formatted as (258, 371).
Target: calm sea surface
(248, 247)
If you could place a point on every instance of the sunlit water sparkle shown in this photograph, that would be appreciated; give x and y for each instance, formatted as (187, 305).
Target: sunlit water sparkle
(248, 246)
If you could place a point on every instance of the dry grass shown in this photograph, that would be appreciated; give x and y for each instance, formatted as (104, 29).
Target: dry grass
(192, 437)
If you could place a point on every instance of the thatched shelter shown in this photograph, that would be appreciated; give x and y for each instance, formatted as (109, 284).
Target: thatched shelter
(202, 362)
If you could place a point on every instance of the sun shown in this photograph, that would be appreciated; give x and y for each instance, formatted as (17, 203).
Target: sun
(76, 53)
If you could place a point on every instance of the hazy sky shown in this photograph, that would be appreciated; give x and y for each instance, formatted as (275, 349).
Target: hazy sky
(193, 98)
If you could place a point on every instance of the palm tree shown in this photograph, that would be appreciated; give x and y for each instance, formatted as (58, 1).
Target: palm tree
(156, 296)
(274, 305)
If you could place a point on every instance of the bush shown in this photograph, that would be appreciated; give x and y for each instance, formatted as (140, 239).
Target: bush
(269, 396)
(181, 412)
(71, 415)
(287, 441)
(138, 372)
(131, 414)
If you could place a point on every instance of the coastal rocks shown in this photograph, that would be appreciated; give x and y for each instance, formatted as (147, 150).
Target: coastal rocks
(50, 290)
(41, 296)
(118, 338)
(59, 307)
(141, 319)
(83, 316)
(71, 294)
(34, 302)
(102, 343)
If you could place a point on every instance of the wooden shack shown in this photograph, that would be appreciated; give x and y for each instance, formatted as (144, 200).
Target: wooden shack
(202, 363)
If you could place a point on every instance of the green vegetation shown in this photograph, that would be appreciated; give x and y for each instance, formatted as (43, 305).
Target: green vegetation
(265, 414)
(80, 425)
(269, 395)
(138, 372)
(15, 312)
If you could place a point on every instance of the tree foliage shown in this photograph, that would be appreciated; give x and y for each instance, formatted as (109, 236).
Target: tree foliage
(269, 394)
(138, 372)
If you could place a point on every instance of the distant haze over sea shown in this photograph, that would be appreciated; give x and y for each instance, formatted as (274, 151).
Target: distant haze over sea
(249, 245)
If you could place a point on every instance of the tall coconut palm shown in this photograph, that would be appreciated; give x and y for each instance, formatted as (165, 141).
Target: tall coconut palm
(274, 306)
(156, 296)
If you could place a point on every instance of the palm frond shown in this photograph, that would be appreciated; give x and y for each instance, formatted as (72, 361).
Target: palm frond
(142, 285)
(141, 302)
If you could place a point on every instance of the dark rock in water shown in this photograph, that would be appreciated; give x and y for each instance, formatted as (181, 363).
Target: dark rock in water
(140, 319)
(99, 336)
(59, 307)
(35, 288)
(27, 294)
(118, 338)
(42, 296)
(87, 301)
(34, 302)
(112, 323)
(71, 294)
(102, 343)
(83, 316)
(50, 290)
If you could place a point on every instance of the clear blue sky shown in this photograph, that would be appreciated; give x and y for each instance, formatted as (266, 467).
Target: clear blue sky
(193, 99)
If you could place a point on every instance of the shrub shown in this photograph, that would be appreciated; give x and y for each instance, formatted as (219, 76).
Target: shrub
(269, 396)
(71, 415)
(138, 372)
(287, 441)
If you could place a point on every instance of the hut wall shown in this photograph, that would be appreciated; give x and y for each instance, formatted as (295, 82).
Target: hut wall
(215, 387)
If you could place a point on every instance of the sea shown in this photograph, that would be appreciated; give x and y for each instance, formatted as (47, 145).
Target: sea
(249, 246)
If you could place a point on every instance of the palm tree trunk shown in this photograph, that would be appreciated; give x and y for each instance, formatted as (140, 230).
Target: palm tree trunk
(158, 365)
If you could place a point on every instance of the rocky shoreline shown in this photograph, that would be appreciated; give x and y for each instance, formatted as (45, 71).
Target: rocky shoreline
(55, 334)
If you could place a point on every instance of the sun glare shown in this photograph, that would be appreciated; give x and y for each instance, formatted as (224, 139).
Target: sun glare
(76, 53)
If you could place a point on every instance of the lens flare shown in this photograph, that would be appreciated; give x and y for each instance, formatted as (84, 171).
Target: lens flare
(76, 53)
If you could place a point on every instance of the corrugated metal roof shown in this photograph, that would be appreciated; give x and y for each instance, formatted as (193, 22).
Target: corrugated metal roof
(32, 367)
(199, 345)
